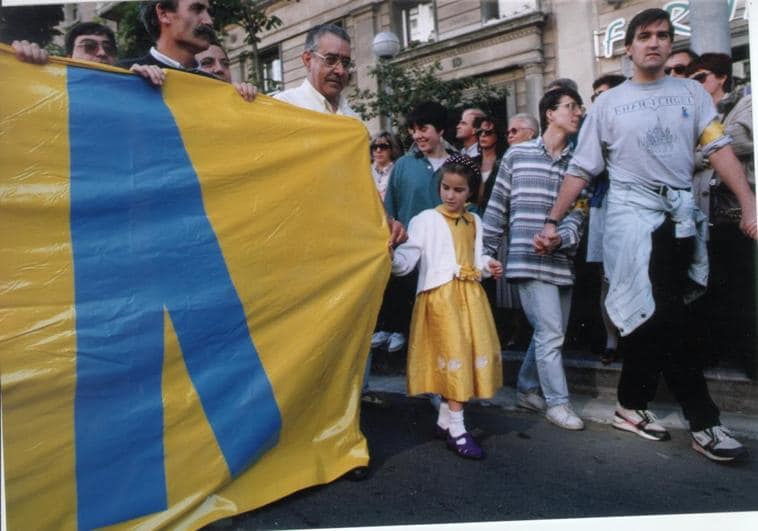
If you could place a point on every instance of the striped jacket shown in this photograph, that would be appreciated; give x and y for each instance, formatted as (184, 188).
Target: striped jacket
(526, 187)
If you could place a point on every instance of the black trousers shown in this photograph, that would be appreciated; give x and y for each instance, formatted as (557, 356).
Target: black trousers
(397, 305)
(659, 346)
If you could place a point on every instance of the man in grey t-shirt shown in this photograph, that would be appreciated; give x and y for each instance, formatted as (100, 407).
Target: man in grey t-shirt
(645, 132)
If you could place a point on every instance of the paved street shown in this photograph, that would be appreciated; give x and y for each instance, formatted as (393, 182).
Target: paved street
(533, 471)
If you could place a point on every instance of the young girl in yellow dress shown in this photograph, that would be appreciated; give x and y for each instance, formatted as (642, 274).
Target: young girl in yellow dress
(454, 349)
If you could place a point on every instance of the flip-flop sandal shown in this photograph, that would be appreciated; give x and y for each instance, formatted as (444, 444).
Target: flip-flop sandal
(465, 446)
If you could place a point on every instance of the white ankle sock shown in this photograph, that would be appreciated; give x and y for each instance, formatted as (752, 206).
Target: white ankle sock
(443, 418)
(457, 427)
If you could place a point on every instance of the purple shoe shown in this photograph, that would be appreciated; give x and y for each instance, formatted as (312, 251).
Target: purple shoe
(465, 446)
(440, 433)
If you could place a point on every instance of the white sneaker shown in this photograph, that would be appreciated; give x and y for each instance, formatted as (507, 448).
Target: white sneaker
(380, 339)
(717, 444)
(396, 342)
(563, 416)
(640, 421)
(531, 401)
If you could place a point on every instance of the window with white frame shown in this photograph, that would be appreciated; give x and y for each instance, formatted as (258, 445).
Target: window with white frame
(502, 9)
(271, 63)
(414, 21)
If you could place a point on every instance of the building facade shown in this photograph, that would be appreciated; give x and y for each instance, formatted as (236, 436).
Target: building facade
(520, 45)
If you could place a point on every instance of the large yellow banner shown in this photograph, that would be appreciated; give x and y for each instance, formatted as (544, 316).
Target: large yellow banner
(188, 283)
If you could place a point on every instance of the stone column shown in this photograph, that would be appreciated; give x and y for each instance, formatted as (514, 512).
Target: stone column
(535, 87)
(709, 21)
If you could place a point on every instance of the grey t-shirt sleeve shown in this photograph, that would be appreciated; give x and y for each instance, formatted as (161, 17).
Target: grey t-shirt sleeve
(588, 160)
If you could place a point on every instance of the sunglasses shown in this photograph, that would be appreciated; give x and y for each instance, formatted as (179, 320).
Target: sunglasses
(485, 132)
(332, 60)
(380, 147)
(91, 47)
(700, 77)
(677, 69)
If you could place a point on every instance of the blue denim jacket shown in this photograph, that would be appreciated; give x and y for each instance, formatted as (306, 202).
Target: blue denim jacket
(633, 214)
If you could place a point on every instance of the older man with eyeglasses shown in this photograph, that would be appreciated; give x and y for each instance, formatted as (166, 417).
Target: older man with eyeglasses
(522, 127)
(328, 66)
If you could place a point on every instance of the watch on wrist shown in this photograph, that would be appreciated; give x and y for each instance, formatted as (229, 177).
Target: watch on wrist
(551, 221)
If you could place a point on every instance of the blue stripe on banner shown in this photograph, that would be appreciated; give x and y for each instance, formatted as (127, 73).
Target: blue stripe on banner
(142, 242)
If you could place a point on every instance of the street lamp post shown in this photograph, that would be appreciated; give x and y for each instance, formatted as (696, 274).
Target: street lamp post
(386, 45)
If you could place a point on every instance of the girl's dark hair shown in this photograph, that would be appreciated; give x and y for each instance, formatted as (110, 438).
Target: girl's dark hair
(466, 167)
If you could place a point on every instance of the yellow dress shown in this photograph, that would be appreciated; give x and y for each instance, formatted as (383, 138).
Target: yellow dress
(454, 350)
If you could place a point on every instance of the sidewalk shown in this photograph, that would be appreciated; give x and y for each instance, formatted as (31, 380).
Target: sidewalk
(597, 409)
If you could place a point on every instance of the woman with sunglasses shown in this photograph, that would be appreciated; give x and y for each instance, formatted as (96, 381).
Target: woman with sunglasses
(385, 149)
(729, 308)
(490, 152)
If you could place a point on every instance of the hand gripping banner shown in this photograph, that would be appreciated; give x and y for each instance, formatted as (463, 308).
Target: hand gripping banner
(188, 283)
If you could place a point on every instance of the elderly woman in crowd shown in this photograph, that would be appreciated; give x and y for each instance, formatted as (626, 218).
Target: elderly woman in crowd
(509, 316)
(385, 149)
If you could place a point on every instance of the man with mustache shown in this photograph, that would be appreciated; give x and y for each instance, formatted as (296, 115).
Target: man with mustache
(181, 29)
(328, 66)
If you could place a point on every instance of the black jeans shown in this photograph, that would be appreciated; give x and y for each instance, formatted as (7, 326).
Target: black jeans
(659, 346)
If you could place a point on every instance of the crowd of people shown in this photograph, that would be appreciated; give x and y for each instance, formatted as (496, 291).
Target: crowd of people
(622, 172)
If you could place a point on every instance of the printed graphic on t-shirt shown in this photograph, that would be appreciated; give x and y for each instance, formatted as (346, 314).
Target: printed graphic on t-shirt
(659, 140)
(654, 103)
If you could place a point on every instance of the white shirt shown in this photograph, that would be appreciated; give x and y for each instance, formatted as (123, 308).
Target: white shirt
(307, 97)
(381, 177)
(165, 59)
(430, 242)
(471, 151)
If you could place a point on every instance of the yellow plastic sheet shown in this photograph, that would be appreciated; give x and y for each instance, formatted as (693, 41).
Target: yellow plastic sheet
(188, 283)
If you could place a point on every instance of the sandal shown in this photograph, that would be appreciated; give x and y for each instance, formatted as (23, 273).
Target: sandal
(465, 446)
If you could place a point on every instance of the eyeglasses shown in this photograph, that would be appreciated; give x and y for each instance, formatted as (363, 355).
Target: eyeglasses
(572, 106)
(92, 47)
(332, 60)
(677, 69)
(380, 147)
(485, 132)
(700, 77)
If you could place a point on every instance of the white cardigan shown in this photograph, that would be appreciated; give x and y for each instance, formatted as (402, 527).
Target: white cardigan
(430, 240)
